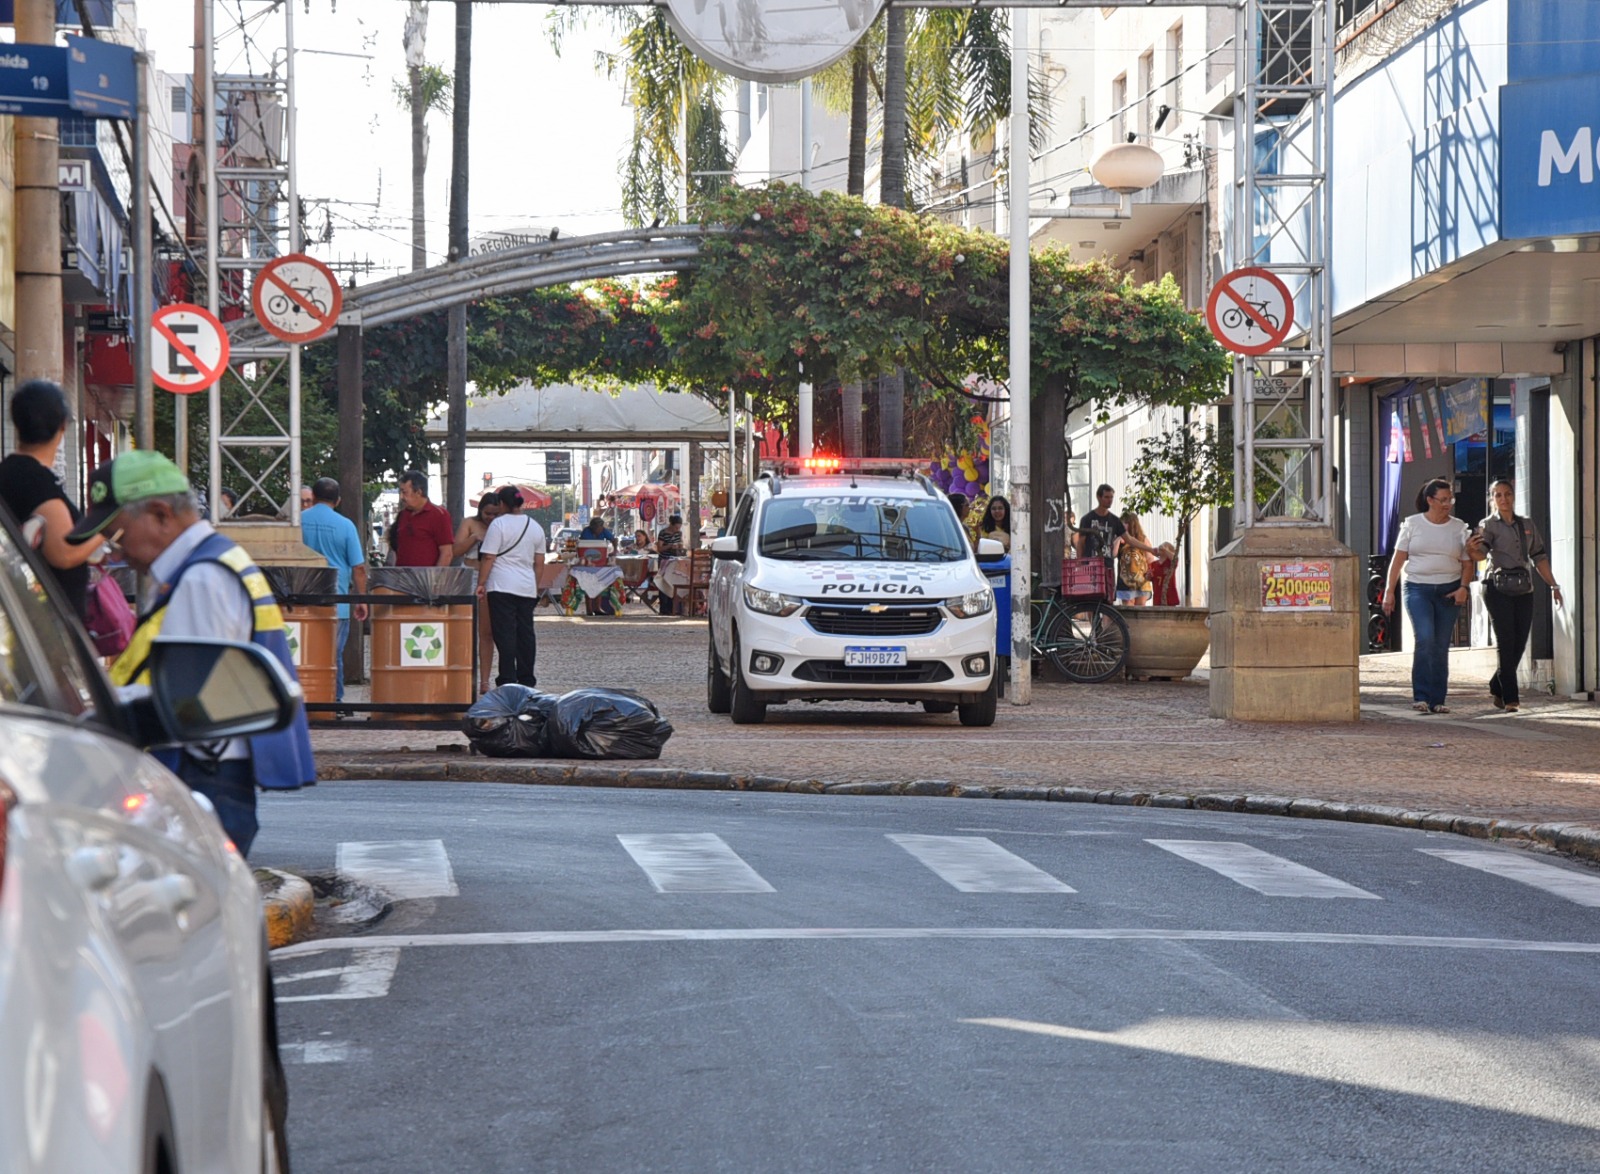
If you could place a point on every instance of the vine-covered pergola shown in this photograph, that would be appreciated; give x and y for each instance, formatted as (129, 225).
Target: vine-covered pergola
(790, 285)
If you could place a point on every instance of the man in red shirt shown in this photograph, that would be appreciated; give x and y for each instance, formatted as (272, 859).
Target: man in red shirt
(422, 535)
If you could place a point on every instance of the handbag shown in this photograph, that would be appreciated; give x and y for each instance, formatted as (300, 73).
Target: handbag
(107, 616)
(1517, 580)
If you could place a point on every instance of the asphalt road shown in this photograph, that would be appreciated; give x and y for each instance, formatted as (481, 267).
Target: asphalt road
(598, 980)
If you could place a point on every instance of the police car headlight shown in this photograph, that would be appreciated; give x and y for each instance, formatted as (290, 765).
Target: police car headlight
(770, 603)
(973, 603)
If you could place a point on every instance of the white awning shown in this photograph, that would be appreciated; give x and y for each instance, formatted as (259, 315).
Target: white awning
(571, 415)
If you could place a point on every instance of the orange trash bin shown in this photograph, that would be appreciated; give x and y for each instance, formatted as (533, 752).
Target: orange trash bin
(313, 632)
(422, 653)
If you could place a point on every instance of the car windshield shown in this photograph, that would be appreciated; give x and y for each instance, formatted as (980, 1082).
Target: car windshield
(861, 526)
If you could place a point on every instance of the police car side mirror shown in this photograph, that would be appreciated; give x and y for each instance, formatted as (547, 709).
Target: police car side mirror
(727, 547)
(990, 550)
(207, 690)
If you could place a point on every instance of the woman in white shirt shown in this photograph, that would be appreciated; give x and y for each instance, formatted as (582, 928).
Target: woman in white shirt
(1432, 551)
(512, 552)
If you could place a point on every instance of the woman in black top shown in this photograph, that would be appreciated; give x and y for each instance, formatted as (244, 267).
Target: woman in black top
(1511, 542)
(28, 485)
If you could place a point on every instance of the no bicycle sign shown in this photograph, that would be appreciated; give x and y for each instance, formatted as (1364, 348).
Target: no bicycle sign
(296, 298)
(1250, 311)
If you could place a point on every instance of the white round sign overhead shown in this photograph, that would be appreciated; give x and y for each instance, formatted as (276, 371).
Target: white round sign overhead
(771, 40)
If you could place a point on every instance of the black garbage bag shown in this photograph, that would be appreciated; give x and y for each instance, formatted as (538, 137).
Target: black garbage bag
(607, 723)
(511, 721)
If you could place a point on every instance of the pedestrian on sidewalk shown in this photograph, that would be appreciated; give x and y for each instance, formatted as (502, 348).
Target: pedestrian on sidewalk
(1432, 553)
(421, 535)
(469, 537)
(207, 587)
(332, 535)
(29, 487)
(1516, 552)
(512, 552)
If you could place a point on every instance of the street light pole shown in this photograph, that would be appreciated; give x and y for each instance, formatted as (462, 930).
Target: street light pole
(1021, 433)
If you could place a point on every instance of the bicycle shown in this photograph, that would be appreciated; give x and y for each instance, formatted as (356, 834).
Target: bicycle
(1077, 629)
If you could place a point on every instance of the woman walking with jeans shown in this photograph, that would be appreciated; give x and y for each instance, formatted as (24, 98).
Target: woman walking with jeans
(1432, 551)
(1515, 552)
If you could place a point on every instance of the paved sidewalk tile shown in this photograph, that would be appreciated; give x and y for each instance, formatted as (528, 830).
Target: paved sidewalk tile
(1537, 766)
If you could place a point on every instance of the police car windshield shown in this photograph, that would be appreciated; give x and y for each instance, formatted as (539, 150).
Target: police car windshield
(860, 526)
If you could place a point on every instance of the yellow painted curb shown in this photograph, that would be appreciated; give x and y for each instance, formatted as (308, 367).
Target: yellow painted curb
(286, 904)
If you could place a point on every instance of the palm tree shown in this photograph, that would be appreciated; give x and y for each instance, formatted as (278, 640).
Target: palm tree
(427, 87)
(679, 152)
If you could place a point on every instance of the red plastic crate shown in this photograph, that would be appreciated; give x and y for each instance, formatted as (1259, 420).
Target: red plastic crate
(1088, 578)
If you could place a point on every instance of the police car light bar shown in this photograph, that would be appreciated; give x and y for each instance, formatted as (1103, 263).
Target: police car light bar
(868, 466)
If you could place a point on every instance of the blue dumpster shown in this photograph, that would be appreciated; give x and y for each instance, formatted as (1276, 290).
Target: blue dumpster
(999, 576)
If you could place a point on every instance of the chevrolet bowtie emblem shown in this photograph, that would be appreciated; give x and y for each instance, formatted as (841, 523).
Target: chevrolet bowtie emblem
(875, 608)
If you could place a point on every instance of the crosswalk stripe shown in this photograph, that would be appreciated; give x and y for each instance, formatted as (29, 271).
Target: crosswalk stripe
(1575, 887)
(1265, 873)
(404, 869)
(976, 864)
(366, 976)
(693, 863)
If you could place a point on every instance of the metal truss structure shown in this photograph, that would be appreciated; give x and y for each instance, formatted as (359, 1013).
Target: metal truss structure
(1281, 221)
(252, 215)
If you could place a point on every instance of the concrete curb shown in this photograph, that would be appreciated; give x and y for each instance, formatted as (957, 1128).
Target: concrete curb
(287, 903)
(1576, 839)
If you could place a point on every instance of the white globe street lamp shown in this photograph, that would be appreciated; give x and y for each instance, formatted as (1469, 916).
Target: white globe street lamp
(1128, 168)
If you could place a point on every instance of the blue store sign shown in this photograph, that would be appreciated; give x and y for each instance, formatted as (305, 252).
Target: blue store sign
(1550, 157)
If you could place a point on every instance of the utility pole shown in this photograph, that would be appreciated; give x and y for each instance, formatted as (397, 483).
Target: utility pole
(144, 415)
(456, 345)
(38, 207)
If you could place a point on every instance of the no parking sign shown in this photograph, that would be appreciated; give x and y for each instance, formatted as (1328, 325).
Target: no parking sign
(188, 348)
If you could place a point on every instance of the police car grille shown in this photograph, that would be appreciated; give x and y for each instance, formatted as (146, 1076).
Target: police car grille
(836, 672)
(833, 619)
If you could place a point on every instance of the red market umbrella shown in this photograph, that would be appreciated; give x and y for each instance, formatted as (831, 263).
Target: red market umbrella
(532, 498)
(630, 497)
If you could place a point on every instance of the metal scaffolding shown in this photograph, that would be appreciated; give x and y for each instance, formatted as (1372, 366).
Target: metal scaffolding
(1282, 222)
(252, 215)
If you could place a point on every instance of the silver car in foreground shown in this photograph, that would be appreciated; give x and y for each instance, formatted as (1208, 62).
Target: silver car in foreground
(136, 1016)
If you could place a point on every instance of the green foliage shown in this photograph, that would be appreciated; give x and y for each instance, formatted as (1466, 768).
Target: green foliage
(786, 278)
(438, 90)
(319, 438)
(1178, 474)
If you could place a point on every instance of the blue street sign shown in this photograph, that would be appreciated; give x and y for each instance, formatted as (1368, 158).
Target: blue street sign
(33, 81)
(101, 79)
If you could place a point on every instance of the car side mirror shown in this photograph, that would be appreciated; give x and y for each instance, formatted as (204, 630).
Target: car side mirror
(207, 690)
(990, 550)
(727, 547)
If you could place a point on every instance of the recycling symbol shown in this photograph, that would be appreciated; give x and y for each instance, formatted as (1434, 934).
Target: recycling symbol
(292, 632)
(423, 642)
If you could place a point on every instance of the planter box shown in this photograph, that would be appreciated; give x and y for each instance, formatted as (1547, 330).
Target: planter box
(1165, 642)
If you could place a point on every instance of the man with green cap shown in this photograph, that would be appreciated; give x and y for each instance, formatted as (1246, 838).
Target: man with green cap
(206, 587)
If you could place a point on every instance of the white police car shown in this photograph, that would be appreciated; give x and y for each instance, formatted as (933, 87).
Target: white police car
(850, 580)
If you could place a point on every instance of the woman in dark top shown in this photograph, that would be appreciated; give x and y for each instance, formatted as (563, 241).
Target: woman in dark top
(29, 486)
(1511, 542)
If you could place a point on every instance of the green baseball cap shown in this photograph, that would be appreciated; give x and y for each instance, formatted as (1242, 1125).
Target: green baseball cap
(131, 477)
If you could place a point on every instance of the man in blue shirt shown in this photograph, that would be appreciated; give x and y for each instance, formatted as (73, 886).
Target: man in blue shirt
(596, 530)
(332, 535)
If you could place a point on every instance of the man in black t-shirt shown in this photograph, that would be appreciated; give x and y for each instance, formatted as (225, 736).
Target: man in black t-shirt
(1101, 533)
